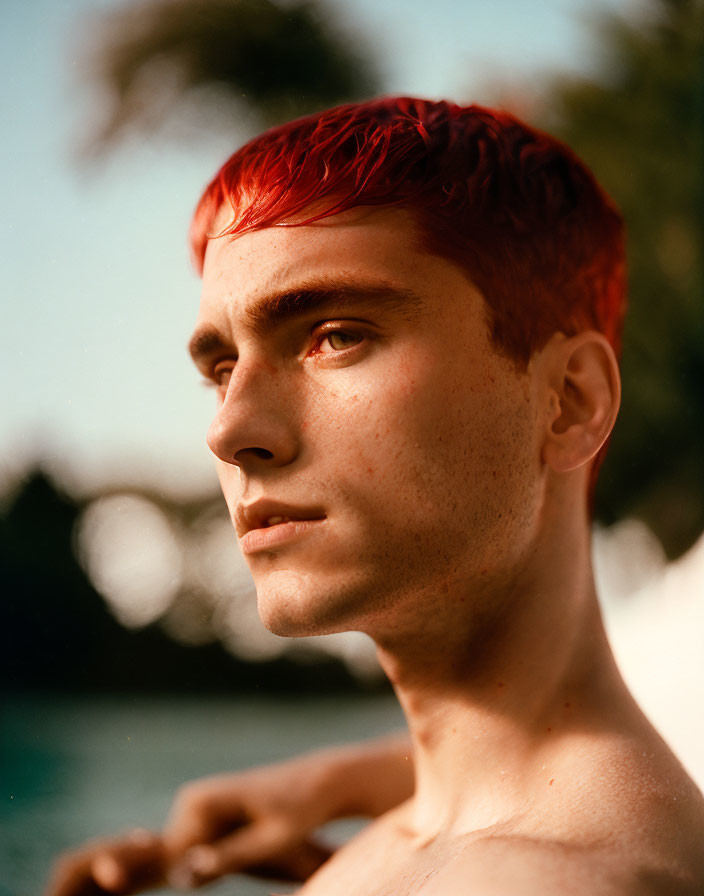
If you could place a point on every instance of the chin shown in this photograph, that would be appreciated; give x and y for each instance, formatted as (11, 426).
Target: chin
(290, 607)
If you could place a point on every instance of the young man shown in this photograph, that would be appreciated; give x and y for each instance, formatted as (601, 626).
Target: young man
(411, 314)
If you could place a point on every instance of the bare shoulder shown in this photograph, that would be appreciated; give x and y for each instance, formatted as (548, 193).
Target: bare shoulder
(632, 796)
(618, 817)
(504, 866)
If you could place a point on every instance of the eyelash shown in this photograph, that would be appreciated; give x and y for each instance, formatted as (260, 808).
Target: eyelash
(211, 382)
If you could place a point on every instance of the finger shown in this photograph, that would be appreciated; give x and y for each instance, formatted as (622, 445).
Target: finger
(135, 863)
(122, 865)
(252, 845)
(109, 873)
(296, 866)
(71, 875)
(197, 816)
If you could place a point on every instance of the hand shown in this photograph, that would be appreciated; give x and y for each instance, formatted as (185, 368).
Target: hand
(256, 821)
(259, 822)
(128, 864)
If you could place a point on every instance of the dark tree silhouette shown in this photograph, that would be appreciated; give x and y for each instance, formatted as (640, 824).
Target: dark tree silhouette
(56, 632)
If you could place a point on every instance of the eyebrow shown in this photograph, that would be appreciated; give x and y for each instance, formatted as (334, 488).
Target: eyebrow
(277, 309)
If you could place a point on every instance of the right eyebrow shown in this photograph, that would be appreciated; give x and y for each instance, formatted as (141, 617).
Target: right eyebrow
(273, 311)
(204, 343)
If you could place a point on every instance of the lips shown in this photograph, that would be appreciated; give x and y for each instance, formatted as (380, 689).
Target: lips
(266, 514)
(266, 524)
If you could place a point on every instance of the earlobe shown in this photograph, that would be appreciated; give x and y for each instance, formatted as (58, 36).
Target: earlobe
(583, 400)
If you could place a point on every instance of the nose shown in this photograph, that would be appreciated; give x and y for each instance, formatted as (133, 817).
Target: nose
(254, 427)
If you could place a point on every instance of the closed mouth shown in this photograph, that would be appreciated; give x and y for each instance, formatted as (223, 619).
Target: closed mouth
(264, 514)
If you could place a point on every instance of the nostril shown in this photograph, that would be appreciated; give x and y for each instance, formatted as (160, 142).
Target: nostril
(261, 453)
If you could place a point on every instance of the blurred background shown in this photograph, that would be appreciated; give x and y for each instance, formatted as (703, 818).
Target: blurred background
(132, 656)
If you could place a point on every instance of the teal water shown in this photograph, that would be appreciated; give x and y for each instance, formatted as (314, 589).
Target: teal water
(75, 768)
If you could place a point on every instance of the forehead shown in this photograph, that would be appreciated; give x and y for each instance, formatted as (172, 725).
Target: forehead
(361, 245)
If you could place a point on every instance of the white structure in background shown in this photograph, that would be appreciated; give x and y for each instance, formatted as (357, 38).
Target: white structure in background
(654, 615)
(132, 555)
(198, 583)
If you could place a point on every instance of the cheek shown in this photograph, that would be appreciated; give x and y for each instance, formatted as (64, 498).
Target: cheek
(393, 443)
(377, 430)
(435, 453)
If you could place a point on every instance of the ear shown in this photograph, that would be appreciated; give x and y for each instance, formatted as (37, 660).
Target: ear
(584, 396)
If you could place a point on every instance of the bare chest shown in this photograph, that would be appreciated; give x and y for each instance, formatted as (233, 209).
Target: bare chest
(377, 862)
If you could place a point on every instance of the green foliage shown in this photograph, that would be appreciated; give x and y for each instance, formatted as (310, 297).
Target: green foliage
(640, 127)
(278, 62)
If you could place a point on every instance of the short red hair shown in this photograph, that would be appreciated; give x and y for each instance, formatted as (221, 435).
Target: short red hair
(511, 205)
(514, 207)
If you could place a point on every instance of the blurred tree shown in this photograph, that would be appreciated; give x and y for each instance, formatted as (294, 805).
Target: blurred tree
(640, 127)
(159, 57)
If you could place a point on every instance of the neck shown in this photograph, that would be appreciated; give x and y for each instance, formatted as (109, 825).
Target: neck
(491, 695)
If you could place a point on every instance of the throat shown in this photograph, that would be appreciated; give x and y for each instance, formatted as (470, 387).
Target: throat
(485, 720)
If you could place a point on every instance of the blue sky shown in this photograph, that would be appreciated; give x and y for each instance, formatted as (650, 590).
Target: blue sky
(98, 295)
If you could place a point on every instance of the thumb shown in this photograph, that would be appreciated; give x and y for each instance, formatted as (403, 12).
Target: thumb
(257, 843)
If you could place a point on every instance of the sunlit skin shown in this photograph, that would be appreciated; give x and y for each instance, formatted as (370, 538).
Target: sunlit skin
(445, 493)
(450, 489)
(414, 437)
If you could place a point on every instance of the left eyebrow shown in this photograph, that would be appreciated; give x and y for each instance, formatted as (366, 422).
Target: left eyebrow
(273, 311)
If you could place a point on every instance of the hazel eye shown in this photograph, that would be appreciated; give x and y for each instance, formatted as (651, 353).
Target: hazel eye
(339, 340)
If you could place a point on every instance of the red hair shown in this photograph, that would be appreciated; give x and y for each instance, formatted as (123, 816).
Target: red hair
(512, 206)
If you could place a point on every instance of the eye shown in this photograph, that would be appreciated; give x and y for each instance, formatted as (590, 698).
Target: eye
(220, 379)
(332, 341)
